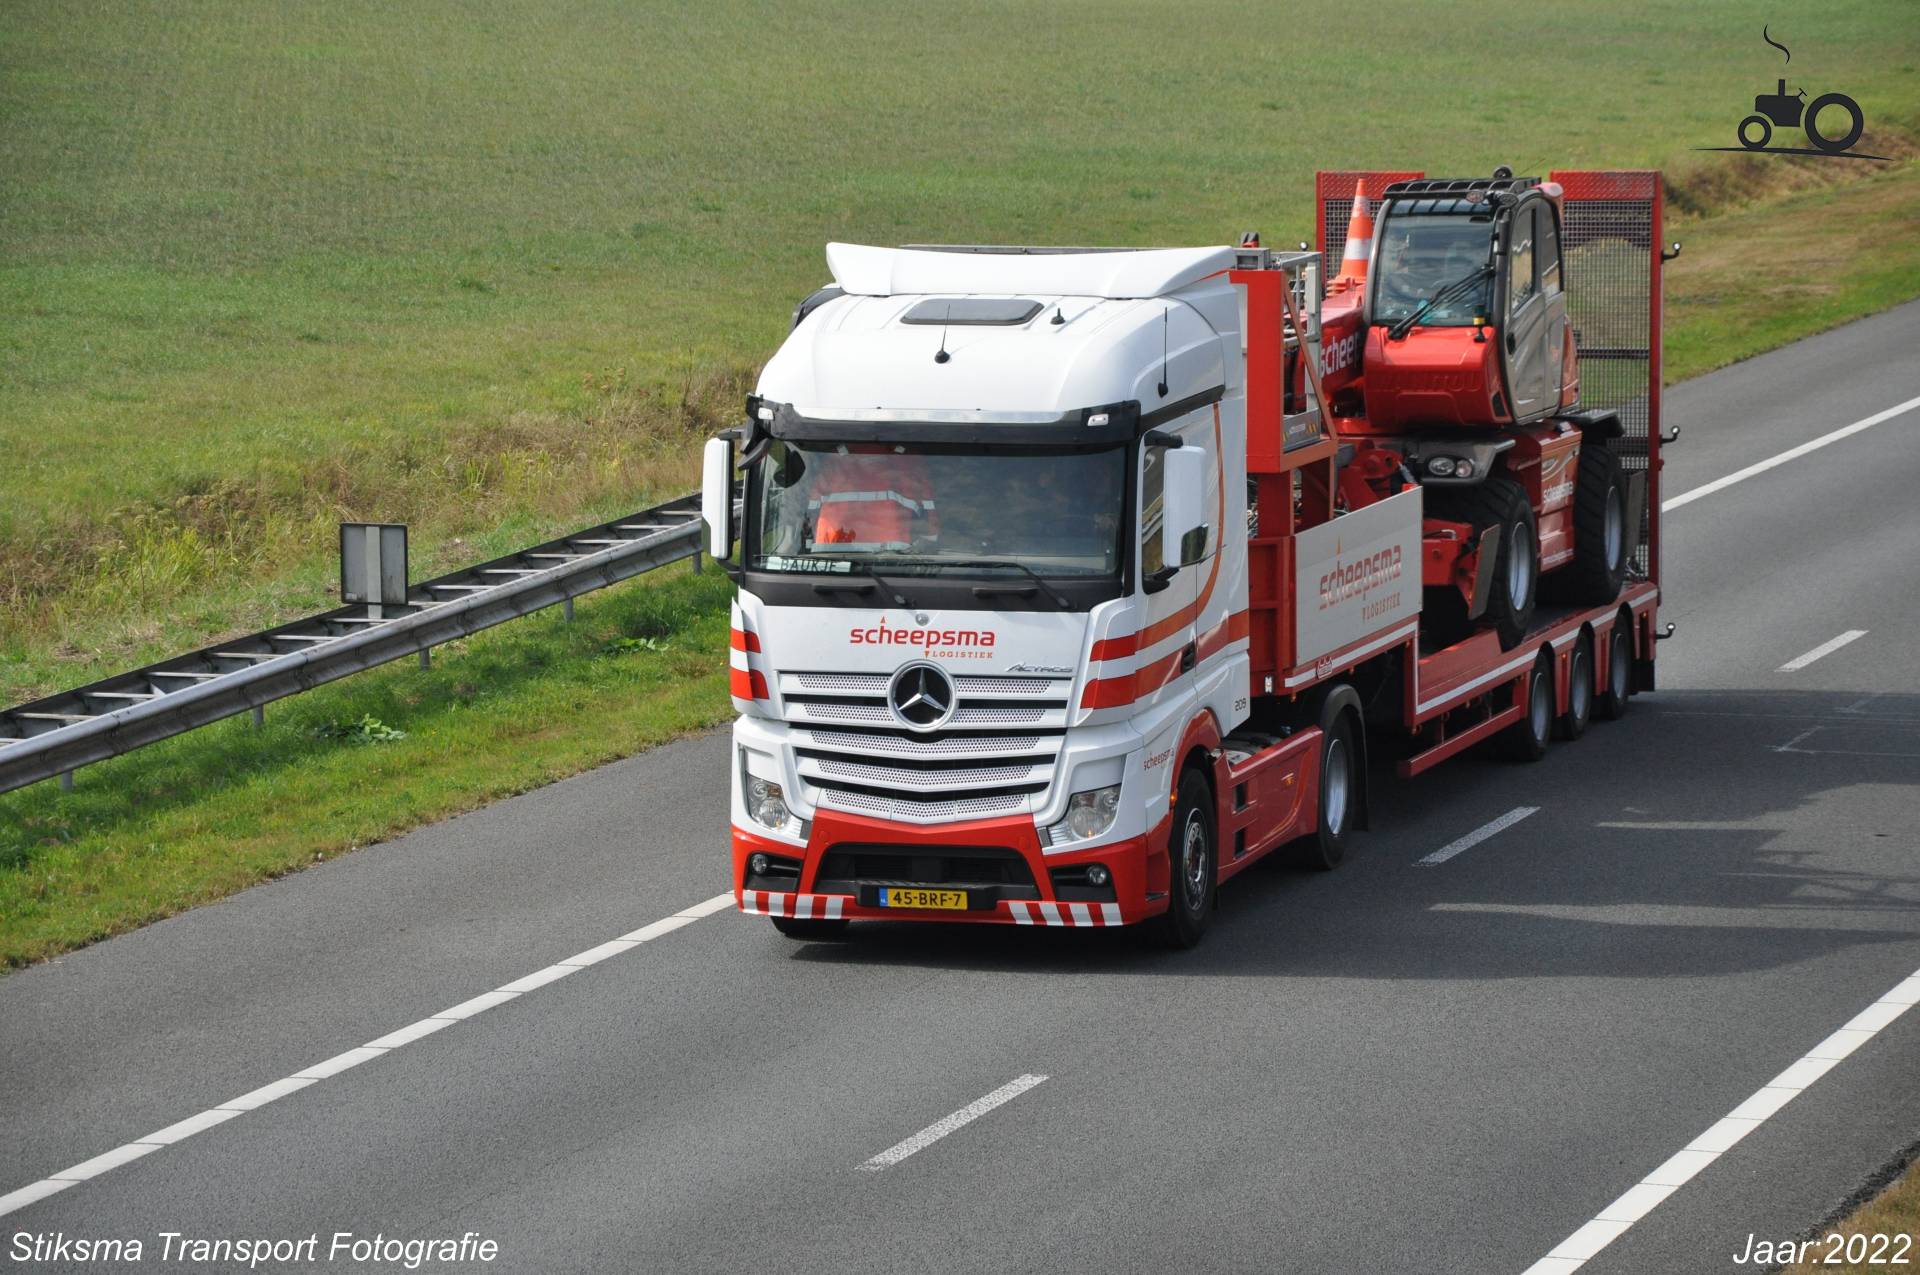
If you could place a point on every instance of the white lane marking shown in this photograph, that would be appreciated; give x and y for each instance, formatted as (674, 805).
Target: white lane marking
(1792, 453)
(941, 1128)
(1824, 649)
(257, 1098)
(1475, 837)
(1680, 1168)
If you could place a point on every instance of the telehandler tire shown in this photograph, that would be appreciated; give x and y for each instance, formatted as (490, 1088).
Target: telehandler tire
(1500, 502)
(1601, 537)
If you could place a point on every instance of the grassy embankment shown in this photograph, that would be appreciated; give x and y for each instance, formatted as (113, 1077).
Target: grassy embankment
(491, 271)
(1893, 1212)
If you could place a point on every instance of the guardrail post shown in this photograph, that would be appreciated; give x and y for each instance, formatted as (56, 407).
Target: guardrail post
(699, 552)
(66, 781)
(566, 609)
(426, 657)
(259, 716)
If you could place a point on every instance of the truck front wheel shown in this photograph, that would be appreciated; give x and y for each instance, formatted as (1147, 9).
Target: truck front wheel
(1191, 866)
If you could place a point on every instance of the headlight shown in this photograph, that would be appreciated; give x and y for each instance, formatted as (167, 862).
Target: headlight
(767, 803)
(1441, 466)
(1089, 815)
(1463, 469)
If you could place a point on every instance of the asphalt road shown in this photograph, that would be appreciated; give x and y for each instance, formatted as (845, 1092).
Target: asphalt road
(1389, 1068)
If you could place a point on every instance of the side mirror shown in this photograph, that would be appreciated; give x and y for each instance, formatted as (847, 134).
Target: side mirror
(1183, 524)
(716, 497)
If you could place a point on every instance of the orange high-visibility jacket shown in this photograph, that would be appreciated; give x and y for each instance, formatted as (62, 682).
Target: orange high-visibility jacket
(869, 501)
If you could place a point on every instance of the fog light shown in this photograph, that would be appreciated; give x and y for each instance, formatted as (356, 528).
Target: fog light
(1463, 469)
(1441, 466)
(757, 865)
(1097, 874)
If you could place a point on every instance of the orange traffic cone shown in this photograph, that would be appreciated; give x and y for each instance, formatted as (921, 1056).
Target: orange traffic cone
(1353, 262)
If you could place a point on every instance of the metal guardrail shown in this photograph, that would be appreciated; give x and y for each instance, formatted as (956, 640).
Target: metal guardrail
(56, 735)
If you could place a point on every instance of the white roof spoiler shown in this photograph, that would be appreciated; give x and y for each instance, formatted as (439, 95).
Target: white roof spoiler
(1147, 272)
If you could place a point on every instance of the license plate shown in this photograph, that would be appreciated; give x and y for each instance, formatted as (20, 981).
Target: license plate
(949, 900)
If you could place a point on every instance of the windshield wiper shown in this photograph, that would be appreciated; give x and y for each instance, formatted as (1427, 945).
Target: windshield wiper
(1446, 293)
(1030, 573)
(866, 569)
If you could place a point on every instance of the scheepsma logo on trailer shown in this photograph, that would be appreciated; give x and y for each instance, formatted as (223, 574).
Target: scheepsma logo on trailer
(1355, 575)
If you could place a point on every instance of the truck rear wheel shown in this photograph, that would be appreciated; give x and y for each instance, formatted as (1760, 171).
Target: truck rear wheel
(817, 931)
(1611, 703)
(1191, 865)
(1527, 739)
(1600, 534)
(1339, 798)
(1499, 502)
(1573, 722)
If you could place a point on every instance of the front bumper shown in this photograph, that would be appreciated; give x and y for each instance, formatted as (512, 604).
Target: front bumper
(843, 907)
(1133, 863)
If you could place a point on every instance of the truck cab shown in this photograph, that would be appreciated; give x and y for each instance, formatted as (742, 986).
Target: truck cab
(986, 579)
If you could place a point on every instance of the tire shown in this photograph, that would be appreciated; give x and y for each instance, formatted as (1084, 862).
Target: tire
(1501, 502)
(1192, 865)
(1600, 532)
(1527, 739)
(1339, 799)
(812, 930)
(1573, 722)
(1766, 132)
(1833, 145)
(1610, 704)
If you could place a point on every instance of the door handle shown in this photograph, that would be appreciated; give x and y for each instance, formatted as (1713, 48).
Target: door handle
(1187, 658)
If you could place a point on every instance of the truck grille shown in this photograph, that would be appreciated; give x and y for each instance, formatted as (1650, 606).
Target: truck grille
(854, 756)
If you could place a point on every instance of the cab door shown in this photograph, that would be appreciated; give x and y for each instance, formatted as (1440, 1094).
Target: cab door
(1532, 369)
(1165, 650)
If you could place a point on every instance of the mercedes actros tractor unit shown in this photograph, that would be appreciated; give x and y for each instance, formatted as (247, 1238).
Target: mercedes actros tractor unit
(1072, 582)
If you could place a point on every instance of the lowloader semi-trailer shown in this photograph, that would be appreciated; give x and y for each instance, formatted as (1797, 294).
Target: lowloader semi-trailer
(1072, 582)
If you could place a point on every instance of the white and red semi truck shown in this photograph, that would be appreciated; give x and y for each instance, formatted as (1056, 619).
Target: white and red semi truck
(1073, 582)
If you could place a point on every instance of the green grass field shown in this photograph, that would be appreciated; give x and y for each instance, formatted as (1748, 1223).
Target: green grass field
(490, 269)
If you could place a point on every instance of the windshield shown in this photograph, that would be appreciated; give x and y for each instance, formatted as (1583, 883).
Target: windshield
(1419, 255)
(848, 507)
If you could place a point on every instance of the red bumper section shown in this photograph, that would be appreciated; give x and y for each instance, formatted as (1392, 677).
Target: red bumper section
(1133, 862)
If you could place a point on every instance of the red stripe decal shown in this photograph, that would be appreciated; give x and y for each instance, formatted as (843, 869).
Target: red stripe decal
(747, 684)
(745, 640)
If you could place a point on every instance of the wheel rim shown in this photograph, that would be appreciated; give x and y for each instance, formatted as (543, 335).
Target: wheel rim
(1540, 711)
(1335, 785)
(1520, 566)
(1193, 860)
(1616, 530)
(1580, 689)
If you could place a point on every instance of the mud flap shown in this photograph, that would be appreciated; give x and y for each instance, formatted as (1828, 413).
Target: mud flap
(1488, 551)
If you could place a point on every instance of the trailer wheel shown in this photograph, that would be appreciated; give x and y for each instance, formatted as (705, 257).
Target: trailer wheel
(1611, 703)
(1573, 722)
(1191, 865)
(1326, 846)
(1527, 739)
(811, 930)
(1600, 532)
(1500, 502)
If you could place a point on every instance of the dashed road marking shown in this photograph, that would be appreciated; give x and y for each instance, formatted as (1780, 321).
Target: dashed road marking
(1613, 1221)
(327, 1069)
(1792, 453)
(1475, 837)
(1826, 648)
(941, 1128)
